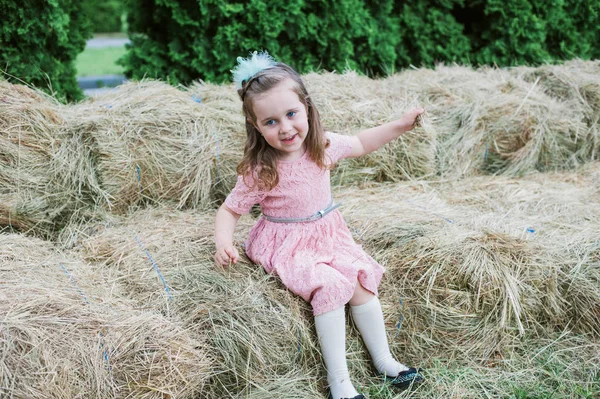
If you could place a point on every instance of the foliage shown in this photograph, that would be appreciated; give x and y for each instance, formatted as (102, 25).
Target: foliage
(39, 42)
(184, 40)
(516, 32)
(432, 33)
(105, 16)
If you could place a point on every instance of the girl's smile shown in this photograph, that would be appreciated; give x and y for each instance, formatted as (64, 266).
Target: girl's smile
(282, 120)
(290, 139)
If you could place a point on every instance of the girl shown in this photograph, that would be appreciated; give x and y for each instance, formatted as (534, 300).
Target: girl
(301, 236)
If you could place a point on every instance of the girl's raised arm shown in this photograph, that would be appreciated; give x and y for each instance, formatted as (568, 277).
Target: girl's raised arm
(374, 138)
(225, 223)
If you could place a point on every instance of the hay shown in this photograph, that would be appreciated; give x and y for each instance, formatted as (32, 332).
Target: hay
(349, 103)
(489, 122)
(481, 294)
(61, 315)
(481, 261)
(259, 333)
(30, 131)
(491, 269)
(573, 80)
(152, 143)
(47, 176)
(147, 143)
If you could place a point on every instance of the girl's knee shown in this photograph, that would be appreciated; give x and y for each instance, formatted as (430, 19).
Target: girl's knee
(361, 295)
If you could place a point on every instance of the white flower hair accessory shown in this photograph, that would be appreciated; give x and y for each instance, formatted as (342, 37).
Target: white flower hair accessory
(248, 67)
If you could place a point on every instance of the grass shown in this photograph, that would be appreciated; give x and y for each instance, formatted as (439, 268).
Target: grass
(100, 61)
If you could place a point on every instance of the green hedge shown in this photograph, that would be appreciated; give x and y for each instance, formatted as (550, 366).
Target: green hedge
(183, 40)
(105, 16)
(39, 42)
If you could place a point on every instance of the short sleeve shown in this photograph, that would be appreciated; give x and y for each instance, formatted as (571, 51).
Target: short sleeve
(340, 146)
(242, 197)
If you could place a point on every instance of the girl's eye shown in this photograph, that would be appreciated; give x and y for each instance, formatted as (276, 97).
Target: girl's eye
(270, 122)
(291, 114)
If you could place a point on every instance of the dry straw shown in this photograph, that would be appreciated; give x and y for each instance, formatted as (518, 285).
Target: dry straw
(483, 261)
(350, 102)
(67, 332)
(153, 143)
(30, 126)
(260, 335)
(149, 143)
(492, 270)
(490, 122)
(480, 293)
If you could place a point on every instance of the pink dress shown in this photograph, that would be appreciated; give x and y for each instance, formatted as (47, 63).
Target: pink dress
(317, 260)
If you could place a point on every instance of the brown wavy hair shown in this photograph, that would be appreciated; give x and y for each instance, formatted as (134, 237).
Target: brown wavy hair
(259, 156)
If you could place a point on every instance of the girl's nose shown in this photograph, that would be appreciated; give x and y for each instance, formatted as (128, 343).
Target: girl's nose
(285, 126)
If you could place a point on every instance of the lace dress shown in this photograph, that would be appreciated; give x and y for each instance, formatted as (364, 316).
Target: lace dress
(317, 260)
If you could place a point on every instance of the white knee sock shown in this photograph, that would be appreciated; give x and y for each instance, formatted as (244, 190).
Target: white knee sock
(368, 318)
(331, 330)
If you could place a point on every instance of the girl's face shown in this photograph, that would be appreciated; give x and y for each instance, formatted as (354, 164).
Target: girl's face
(282, 120)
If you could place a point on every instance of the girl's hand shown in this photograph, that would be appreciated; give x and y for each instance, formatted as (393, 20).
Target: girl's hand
(409, 119)
(227, 255)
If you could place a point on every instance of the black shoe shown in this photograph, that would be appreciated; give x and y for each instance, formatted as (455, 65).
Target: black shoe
(406, 378)
(359, 396)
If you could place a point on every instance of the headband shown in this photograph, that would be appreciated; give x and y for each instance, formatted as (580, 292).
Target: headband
(248, 67)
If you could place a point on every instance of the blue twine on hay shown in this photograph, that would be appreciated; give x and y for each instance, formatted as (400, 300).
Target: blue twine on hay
(139, 176)
(528, 229)
(74, 283)
(196, 99)
(217, 155)
(359, 235)
(400, 319)
(155, 266)
(299, 346)
(104, 352)
(485, 154)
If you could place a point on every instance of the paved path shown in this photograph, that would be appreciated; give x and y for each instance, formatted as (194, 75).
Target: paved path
(107, 42)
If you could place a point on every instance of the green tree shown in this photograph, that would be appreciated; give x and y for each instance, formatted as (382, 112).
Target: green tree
(105, 15)
(183, 40)
(431, 33)
(39, 42)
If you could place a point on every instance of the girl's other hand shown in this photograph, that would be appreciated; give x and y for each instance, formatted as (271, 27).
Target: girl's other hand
(409, 119)
(227, 255)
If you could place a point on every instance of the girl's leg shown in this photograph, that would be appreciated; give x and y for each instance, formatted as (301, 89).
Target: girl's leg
(368, 318)
(331, 330)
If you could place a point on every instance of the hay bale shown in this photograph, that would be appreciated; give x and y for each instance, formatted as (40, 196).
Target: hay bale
(29, 121)
(46, 177)
(480, 262)
(461, 286)
(152, 143)
(61, 315)
(259, 334)
(572, 80)
(149, 143)
(225, 123)
(560, 213)
(489, 122)
(349, 103)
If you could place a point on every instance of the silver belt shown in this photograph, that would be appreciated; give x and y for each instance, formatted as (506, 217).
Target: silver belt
(314, 217)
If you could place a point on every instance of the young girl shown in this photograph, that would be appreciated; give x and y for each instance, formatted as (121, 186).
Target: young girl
(301, 236)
